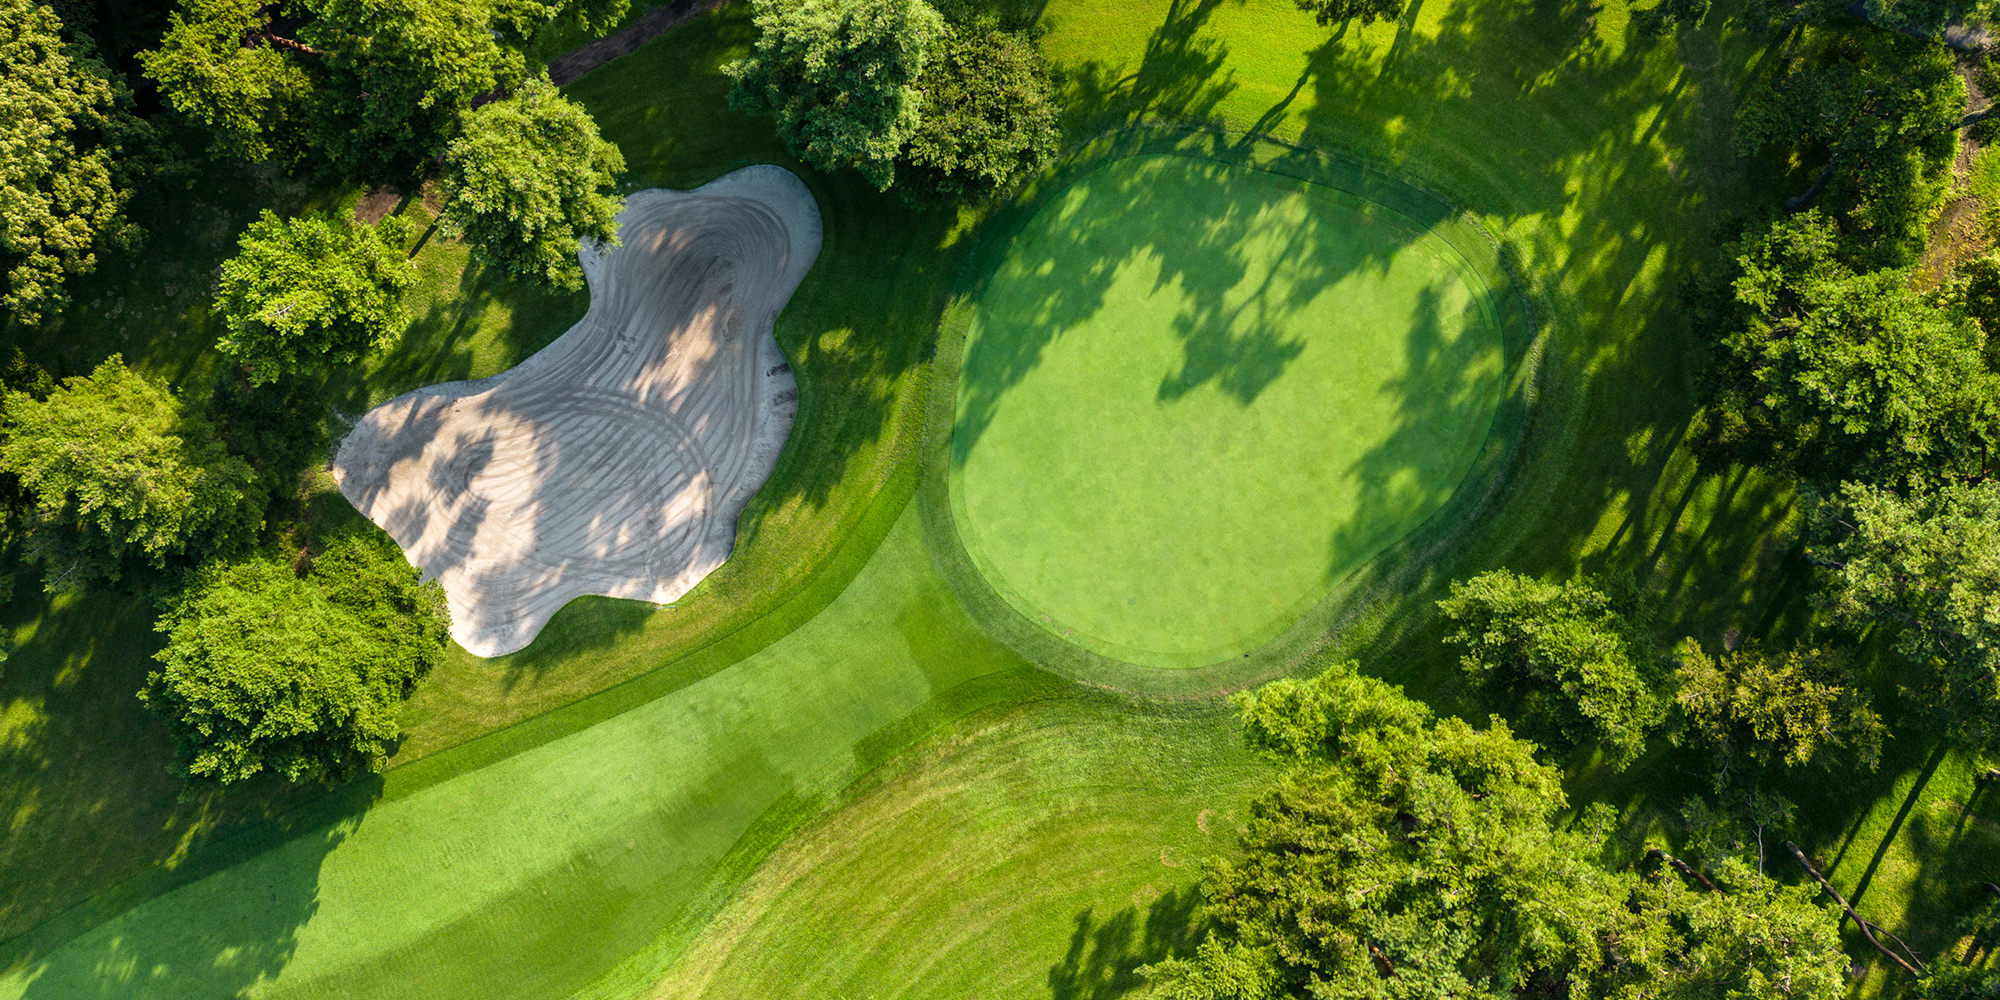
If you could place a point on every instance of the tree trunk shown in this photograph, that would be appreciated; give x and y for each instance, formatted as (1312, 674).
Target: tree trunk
(1684, 868)
(287, 43)
(1804, 199)
(1867, 929)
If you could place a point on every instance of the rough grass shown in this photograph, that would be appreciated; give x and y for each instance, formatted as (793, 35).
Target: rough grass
(1195, 396)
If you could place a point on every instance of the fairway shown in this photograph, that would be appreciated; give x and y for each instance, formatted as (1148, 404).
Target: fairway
(1194, 396)
(1044, 850)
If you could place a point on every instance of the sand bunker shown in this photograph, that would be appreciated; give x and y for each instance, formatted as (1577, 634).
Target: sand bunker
(615, 460)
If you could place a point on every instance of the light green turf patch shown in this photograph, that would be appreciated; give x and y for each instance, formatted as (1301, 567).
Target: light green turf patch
(1036, 852)
(1195, 396)
(535, 875)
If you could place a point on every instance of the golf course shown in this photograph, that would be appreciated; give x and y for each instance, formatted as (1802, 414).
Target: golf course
(853, 595)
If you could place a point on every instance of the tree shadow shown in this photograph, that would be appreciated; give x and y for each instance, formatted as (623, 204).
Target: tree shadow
(1106, 953)
(217, 937)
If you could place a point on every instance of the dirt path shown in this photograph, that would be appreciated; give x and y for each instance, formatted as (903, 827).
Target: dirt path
(615, 460)
(649, 26)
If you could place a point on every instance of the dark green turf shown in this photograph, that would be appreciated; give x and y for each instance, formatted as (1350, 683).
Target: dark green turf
(1196, 395)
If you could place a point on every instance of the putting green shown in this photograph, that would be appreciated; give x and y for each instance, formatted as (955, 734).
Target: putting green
(1195, 396)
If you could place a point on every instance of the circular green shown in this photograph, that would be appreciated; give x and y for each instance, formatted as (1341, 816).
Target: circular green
(1195, 396)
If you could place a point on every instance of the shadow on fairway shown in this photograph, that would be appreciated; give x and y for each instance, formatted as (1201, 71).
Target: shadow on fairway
(249, 919)
(1105, 953)
(1640, 188)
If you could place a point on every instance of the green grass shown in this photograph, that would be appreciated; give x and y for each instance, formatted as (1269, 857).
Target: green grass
(92, 812)
(533, 875)
(1038, 851)
(1196, 395)
(1598, 158)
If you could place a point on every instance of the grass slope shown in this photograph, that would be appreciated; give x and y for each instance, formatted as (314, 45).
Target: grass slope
(531, 876)
(1195, 395)
(1038, 851)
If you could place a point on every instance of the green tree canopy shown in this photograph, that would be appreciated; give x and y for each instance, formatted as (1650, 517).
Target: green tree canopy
(1752, 710)
(220, 65)
(1404, 857)
(119, 472)
(372, 84)
(1580, 666)
(1928, 565)
(529, 180)
(840, 77)
(63, 123)
(1841, 374)
(1878, 112)
(989, 116)
(267, 670)
(308, 293)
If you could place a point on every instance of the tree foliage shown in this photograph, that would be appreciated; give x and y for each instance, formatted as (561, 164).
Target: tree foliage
(1752, 710)
(988, 116)
(529, 180)
(1928, 565)
(841, 78)
(269, 671)
(1404, 857)
(247, 95)
(119, 473)
(307, 293)
(1877, 111)
(64, 120)
(1958, 982)
(1579, 664)
(371, 84)
(1840, 374)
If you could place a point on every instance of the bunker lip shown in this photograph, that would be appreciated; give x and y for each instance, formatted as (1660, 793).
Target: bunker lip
(616, 460)
(1082, 611)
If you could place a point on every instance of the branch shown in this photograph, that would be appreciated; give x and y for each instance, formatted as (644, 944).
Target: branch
(287, 43)
(1867, 929)
(1683, 867)
(1804, 199)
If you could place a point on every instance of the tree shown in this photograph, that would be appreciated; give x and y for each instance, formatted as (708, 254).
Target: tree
(1846, 375)
(1879, 112)
(1399, 856)
(266, 670)
(1751, 938)
(64, 121)
(371, 84)
(1328, 12)
(529, 180)
(401, 73)
(307, 293)
(989, 116)
(840, 77)
(1579, 664)
(1958, 982)
(1928, 565)
(1752, 710)
(221, 65)
(119, 473)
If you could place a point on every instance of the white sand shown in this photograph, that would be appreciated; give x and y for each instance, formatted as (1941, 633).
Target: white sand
(614, 461)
